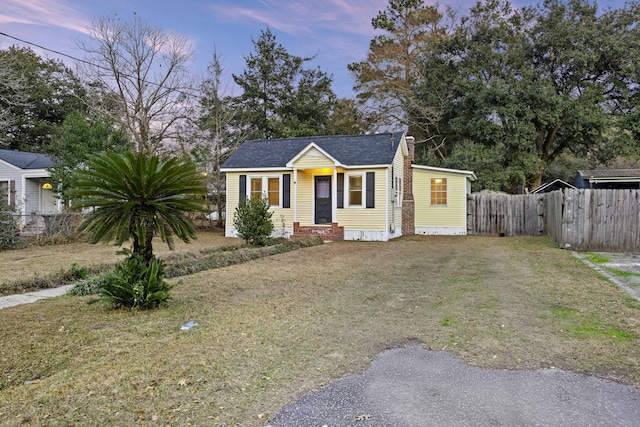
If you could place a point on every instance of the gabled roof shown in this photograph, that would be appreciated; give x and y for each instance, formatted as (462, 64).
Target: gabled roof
(348, 150)
(26, 160)
(556, 184)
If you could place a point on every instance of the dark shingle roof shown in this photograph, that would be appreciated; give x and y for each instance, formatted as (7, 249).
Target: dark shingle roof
(610, 173)
(25, 160)
(349, 150)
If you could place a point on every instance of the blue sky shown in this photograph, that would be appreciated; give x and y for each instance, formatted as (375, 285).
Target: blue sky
(337, 31)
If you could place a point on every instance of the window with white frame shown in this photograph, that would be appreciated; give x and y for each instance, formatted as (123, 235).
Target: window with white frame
(438, 191)
(265, 187)
(4, 191)
(355, 190)
(397, 188)
(256, 188)
(273, 191)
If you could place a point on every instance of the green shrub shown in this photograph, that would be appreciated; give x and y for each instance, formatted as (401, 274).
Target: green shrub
(136, 284)
(252, 220)
(76, 272)
(90, 285)
(9, 232)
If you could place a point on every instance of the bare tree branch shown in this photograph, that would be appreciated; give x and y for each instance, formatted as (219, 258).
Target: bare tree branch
(145, 68)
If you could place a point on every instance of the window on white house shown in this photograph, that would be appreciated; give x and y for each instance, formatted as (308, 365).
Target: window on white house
(356, 190)
(4, 191)
(438, 191)
(397, 188)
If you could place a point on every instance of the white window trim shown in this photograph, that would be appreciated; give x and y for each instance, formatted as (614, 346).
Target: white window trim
(8, 195)
(397, 188)
(363, 176)
(265, 187)
(446, 192)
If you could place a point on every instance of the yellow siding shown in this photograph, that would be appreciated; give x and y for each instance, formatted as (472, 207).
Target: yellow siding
(233, 190)
(305, 197)
(451, 215)
(313, 159)
(363, 218)
(398, 169)
(280, 215)
(302, 196)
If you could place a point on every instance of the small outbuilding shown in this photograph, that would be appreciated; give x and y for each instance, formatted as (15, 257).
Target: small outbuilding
(608, 179)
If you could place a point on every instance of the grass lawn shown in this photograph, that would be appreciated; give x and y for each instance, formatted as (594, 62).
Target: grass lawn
(43, 260)
(273, 329)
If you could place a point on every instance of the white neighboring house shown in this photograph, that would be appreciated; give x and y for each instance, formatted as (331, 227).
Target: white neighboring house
(25, 181)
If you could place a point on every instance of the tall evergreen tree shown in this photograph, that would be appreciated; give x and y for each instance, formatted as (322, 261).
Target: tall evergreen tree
(220, 130)
(282, 98)
(385, 81)
(35, 98)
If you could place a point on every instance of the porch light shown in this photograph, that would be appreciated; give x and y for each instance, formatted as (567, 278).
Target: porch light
(47, 186)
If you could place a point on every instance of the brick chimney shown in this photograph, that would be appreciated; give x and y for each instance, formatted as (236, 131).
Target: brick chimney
(408, 207)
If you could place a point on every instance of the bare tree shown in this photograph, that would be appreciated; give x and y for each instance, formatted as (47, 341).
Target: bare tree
(144, 69)
(12, 93)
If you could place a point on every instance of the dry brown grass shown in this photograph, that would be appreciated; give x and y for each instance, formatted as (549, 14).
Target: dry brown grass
(42, 260)
(273, 329)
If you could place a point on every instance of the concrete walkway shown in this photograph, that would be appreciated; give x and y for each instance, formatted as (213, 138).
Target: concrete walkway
(623, 262)
(29, 297)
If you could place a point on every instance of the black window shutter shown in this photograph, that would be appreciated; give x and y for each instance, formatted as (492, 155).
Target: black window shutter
(371, 186)
(243, 188)
(286, 190)
(340, 188)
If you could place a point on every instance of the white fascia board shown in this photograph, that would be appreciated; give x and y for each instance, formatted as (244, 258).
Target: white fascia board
(11, 165)
(614, 179)
(470, 174)
(227, 170)
(35, 173)
(311, 146)
(382, 166)
(403, 145)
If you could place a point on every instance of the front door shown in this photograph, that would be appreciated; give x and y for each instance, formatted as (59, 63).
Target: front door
(323, 199)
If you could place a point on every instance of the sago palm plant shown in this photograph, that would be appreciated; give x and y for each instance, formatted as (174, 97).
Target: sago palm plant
(136, 197)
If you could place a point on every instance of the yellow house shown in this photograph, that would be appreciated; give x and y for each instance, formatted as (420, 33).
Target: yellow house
(440, 197)
(353, 187)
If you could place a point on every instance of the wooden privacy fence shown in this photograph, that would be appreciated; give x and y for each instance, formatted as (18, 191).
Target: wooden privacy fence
(504, 215)
(593, 220)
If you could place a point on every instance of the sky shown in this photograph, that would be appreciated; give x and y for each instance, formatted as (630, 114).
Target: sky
(336, 32)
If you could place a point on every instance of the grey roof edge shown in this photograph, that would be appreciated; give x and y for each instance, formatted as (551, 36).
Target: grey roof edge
(600, 173)
(26, 160)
